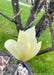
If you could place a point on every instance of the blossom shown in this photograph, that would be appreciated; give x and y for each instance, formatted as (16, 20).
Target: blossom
(25, 47)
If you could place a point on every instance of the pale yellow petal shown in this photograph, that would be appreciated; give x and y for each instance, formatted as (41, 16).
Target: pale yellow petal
(23, 44)
(10, 46)
(33, 52)
(32, 36)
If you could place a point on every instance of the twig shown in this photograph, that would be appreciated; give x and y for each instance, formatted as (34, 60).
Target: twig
(8, 18)
(15, 5)
(17, 14)
(52, 15)
(35, 18)
(45, 6)
(25, 28)
(40, 27)
(12, 35)
(51, 31)
(39, 8)
(33, 10)
(45, 51)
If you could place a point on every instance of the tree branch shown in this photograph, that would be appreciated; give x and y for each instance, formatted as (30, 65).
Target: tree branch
(33, 10)
(8, 18)
(45, 50)
(17, 14)
(45, 6)
(15, 5)
(52, 15)
(51, 31)
(25, 28)
(50, 19)
(40, 6)
(40, 27)
(12, 35)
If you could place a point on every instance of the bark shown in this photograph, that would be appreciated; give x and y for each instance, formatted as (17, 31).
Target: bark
(33, 10)
(16, 10)
(45, 50)
(40, 27)
(40, 6)
(8, 18)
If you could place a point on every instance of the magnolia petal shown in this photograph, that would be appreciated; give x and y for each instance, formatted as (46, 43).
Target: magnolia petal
(34, 52)
(23, 44)
(31, 34)
(10, 46)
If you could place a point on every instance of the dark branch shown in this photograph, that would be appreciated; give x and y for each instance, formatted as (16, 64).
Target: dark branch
(38, 10)
(51, 31)
(25, 28)
(8, 18)
(12, 35)
(45, 50)
(52, 15)
(45, 6)
(17, 14)
(33, 10)
(15, 5)
(40, 6)
(36, 4)
(50, 19)
(40, 27)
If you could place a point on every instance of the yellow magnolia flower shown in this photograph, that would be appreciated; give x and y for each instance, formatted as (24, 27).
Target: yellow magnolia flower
(26, 46)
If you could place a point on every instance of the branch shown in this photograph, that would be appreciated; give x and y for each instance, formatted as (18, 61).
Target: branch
(29, 25)
(17, 14)
(40, 27)
(15, 5)
(23, 29)
(52, 15)
(45, 6)
(39, 8)
(33, 10)
(45, 50)
(8, 18)
(49, 17)
(51, 31)
(36, 4)
(12, 35)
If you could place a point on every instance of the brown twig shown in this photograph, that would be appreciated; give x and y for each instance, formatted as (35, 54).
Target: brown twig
(45, 50)
(51, 30)
(25, 28)
(35, 18)
(12, 35)
(15, 5)
(8, 18)
(52, 15)
(17, 14)
(45, 6)
(46, 11)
